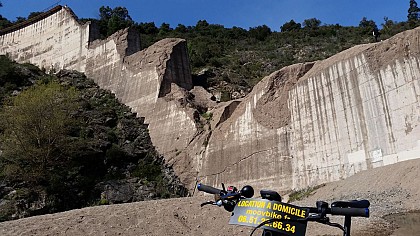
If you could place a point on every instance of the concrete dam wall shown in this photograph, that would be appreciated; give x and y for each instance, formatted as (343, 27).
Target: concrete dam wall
(303, 125)
(356, 113)
(318, 122)
(52, 40)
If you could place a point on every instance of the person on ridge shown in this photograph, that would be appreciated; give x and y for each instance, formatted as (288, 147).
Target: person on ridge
(376, 34)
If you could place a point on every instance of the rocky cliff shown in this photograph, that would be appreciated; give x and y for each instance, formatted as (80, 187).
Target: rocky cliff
(303, 125)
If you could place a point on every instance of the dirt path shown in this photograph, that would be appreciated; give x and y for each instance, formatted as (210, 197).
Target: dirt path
(391, 189)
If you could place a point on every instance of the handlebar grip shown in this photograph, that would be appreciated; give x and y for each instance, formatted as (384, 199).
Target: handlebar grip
(351, 204)
(362, 212)
(208, 189)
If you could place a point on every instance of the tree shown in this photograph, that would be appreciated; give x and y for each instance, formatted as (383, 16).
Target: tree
(312, 23)
(11, 78)
(105, 13)
(164, 28)
(387, 26)
(290, 26)
(112, 20)
(387, 23)
(260, 32)
(365, 23)
(148, 28)
(200, 52)
(202, 25)
(33, 14)
(35, 126)
(237, 32)
(413, 11)
(181, 28)
(4, 23)
(19, 19)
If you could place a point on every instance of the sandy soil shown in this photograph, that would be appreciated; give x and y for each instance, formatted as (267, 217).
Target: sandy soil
(391, 189)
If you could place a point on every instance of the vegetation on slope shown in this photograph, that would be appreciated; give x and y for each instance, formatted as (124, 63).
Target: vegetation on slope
(67, 144)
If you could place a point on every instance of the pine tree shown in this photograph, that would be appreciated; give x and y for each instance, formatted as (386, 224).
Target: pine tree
(413, 11)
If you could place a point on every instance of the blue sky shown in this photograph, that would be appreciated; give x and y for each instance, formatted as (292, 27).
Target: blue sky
(241, 13)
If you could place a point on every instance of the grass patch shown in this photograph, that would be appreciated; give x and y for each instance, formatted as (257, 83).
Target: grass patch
(207, 116)
(303, 193)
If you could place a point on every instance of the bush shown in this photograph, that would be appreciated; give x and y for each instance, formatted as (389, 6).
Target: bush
(147, 170)
(304, 193)
(35, 126)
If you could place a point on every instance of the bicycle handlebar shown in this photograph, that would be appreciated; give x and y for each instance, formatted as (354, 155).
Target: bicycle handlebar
(354, 208)
(362, 212)
(342, 208)
(352, 204)
(338, 211)
(208, 189)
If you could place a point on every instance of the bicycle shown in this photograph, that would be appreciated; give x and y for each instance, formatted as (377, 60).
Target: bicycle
(278, 218)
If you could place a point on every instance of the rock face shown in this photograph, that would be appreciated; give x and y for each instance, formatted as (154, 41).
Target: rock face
(303, 125)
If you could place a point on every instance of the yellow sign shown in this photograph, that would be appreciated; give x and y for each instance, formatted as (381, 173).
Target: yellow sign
(285, 208)
(253, 212)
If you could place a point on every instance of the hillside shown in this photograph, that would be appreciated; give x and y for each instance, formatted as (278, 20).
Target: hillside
(65, 144)
(233, 60)
(390, 189)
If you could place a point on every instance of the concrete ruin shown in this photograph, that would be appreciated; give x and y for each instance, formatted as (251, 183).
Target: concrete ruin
(303, 125)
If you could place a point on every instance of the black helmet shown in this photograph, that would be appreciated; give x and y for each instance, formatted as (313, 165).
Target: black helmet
(247, 191)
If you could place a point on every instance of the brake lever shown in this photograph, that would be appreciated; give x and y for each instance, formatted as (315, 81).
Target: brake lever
(326, 221)
(335, 225)
(207, 203)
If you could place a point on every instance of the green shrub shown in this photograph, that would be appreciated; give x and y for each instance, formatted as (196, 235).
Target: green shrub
(103, 202)
(147, 170)
(35, 126)
(115, 155)
(207, 115)
(304, 193)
